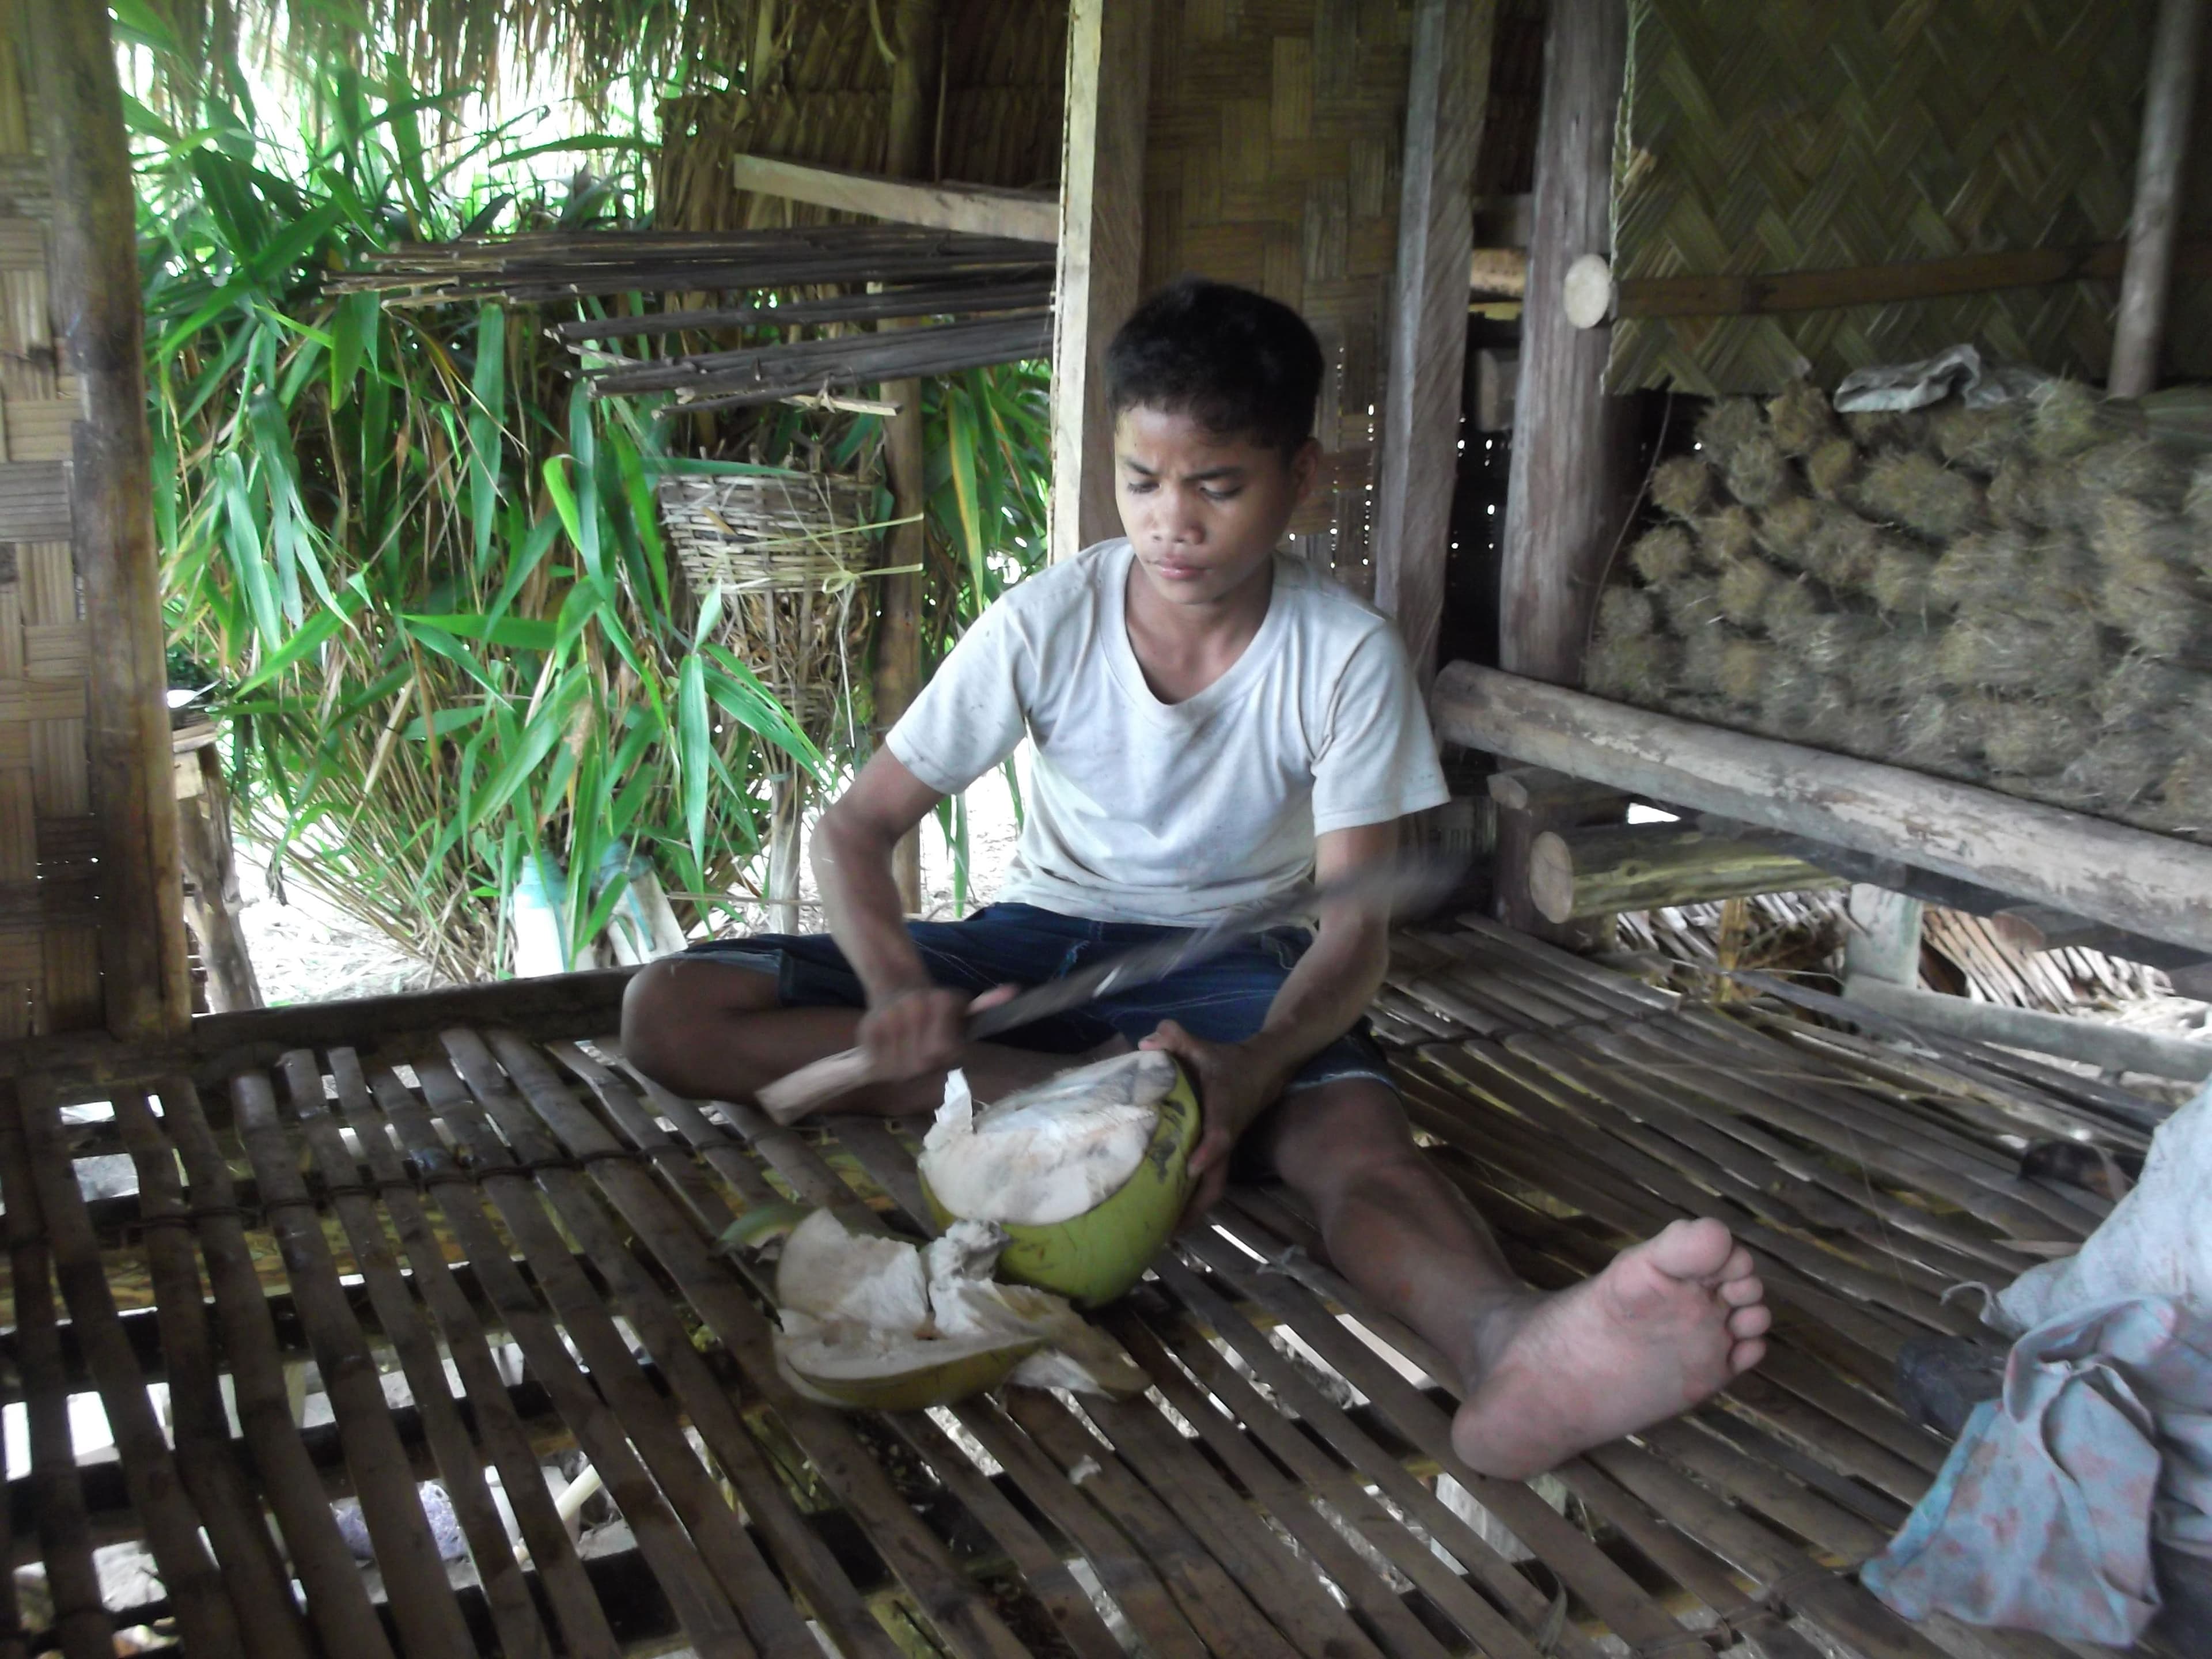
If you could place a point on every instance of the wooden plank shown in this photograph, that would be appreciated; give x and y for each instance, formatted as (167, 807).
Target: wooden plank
(196, 1587)
(703, 1611)
(2161, 162)
(79, 1621)
(2130, 878)
(422, 1599)
(1446, 103)
(1101, 240)
(96, 293)
(337, 1601)
(983, 209)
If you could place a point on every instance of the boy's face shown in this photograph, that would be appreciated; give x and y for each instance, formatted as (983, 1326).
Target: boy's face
(1204, 513)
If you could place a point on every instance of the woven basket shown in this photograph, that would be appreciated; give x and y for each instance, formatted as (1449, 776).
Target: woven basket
(788, 554)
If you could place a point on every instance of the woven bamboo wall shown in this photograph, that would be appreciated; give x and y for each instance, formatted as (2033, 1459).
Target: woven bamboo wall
(826, 99)
(1815, 134)
(49, 946)
(1271, 159)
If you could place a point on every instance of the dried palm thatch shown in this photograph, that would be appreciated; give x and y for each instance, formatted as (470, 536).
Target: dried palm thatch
(784, 556)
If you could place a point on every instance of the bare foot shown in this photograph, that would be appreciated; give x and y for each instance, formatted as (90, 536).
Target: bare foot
(1669, 1321)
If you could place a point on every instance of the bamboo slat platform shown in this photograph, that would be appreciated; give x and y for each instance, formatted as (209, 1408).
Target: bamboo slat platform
(495, 1251)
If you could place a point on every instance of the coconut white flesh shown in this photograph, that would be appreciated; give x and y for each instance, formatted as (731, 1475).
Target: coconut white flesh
(829, 1273)
(1049, 1153)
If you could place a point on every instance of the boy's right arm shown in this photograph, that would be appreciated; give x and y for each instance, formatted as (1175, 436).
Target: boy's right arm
(911, 1026)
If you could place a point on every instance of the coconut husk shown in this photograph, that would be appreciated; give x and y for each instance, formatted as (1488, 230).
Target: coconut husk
(2016, 497)
(1690, 606)
(1888, 428)
(2142, 692)
(1979, 439)
(1831, 468)
(1743, 668)
(2153, 473)
(2144, 590)
(1913, 488)
(1942, 735)
(1989, 568)
(1757, 472)
(1801, 419)
(1726, 425)
(1682, 487)
(2196, 502)
(1634, 668)
(2036, 739)
(2063, 419)
(1836, 720)
(1843, 550)
(1787, 526)
(1702, 667)
(1725, 536)
(1788, 692)
(1896, 666)
(1626, 611)
(1869, 733)
(1827, 712)
(1793, 611)
(1900, 579)
(2004, 652)
(2117, 770)
(1744, 588)
(2185, 795)
(1834, 643)
(1664, 555)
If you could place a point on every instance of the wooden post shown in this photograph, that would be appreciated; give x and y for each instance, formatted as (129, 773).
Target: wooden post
(211, 865)
(1882, 940)
(1445, 110)
(96, 300)
(898, 629)
(1102, 244)
(1574, 447)
(2141, 323)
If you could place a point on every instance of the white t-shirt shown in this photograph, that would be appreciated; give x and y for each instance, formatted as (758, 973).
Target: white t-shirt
(1175, 814)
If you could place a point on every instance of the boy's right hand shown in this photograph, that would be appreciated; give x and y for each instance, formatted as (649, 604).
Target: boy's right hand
(912, 1033)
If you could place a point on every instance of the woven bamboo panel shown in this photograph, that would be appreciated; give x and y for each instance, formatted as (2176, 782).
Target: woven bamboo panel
(49, 960)
(826, 99)
(1271, 159)
(1819, 134)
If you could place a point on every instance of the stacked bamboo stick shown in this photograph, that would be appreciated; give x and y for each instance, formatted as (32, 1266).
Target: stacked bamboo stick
(2017, 596)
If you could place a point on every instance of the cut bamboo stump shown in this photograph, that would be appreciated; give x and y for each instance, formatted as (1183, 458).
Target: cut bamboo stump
(1578, 873)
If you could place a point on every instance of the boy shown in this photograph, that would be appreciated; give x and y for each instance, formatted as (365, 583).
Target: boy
(1213, 722)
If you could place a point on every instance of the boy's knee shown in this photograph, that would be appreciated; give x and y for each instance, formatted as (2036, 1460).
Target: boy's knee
(1334, 1132)
(667, 1003)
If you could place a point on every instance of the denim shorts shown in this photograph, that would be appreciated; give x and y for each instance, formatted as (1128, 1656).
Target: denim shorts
(1223, 1000)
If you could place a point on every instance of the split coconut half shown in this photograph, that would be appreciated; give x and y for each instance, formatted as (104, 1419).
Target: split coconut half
(870, 1321)
(1087, 1173)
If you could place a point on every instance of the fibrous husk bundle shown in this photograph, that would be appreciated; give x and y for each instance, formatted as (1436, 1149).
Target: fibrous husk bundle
(2019, 595)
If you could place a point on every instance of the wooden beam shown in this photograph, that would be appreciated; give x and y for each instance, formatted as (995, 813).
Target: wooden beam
(1027, 215)
(2130, 878)
(1574, 874)
(1421, 391)
(2160, 162)
(1535, 789)
(1572, 481)
(101, 328)
(1102, 245)
(2113, 1046)
(1760, 294)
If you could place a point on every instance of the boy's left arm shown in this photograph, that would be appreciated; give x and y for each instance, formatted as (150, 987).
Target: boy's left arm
(1323, 997)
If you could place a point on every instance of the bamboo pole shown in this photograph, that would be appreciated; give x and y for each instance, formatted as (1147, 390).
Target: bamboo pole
(1576, 873)
(98, 321)
(2114, 1047)
(2140, 327)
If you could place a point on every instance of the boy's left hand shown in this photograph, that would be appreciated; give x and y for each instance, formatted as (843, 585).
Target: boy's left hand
(1235, 1084)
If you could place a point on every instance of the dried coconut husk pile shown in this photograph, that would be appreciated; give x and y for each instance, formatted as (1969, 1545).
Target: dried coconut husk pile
(2019, 596)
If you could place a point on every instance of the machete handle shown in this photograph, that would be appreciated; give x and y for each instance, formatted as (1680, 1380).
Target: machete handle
(793, 1096)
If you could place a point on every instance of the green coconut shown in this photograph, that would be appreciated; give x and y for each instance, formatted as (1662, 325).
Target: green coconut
(1087, 1174)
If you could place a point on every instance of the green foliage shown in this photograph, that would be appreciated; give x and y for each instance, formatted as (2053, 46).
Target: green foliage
(422, 570)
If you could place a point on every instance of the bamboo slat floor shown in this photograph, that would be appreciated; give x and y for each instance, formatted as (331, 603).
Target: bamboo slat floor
(499, 1255)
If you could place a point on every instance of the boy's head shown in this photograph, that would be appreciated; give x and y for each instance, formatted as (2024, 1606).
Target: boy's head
(1213, 390)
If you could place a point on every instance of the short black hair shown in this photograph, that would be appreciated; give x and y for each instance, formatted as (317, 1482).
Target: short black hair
(1240, 364)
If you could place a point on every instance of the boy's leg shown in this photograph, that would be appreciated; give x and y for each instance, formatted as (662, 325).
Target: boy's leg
(717, 1030)
(1669, 1321)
